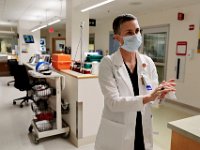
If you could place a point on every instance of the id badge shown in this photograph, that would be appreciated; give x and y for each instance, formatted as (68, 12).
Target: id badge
(147, 82)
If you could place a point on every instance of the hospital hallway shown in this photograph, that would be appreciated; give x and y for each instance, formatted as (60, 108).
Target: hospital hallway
(15, 121)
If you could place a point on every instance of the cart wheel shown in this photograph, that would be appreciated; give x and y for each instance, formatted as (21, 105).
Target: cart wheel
(14, 103)
(21, 106)
(30, 129)
(35, 139)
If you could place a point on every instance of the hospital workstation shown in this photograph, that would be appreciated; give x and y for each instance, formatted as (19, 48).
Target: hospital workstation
(50, 96)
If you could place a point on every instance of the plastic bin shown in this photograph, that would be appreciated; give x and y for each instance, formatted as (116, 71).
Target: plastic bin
(61, 61)
(60, 65)
(61, 57)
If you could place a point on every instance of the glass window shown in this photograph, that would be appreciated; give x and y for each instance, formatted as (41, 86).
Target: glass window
(155, 42)
(155, 46)
(91, 42)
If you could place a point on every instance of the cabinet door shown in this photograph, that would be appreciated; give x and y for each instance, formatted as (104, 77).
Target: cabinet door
(4, 71)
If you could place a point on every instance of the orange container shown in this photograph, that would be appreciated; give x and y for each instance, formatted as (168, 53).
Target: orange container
(60, 65)
(61, 57)
(61, 61)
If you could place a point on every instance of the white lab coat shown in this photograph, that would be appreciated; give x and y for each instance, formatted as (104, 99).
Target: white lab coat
(117, 127)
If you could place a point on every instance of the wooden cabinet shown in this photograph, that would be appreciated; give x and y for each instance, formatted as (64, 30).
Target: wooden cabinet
(185, 133)
(4, 70)
(181, 142)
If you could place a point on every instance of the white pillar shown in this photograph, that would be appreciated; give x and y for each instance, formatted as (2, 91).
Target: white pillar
(75, 18)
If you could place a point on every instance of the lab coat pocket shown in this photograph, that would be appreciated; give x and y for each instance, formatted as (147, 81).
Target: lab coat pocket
(110, 135)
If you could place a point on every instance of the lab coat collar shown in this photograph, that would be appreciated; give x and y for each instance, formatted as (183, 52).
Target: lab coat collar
(118, 60)
(119, 63)
(141, 62)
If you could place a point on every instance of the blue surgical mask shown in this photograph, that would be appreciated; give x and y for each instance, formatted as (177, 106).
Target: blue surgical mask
(132, 43)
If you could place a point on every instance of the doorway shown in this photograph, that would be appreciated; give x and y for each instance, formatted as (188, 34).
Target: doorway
(58, 45)
(155, 45)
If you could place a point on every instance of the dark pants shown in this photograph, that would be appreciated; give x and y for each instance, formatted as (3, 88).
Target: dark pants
(139, 139)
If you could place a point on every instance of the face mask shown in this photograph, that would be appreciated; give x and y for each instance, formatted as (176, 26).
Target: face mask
(132, 43)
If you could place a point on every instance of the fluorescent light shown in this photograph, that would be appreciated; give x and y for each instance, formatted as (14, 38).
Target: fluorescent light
(97, 5)
(38, 27)
(7, 32)
(8, 23)
(54, 21)
(43, 26)
(47, 23)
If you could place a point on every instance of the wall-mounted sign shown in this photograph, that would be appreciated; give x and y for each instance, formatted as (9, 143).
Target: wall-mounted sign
(92, 22)
(181, 48)
(51, 30)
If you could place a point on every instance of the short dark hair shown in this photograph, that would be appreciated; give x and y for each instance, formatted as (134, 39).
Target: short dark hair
(118, 21)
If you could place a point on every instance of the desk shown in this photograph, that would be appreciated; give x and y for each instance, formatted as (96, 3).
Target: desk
(30, 66)
(54, 102)
(185, 133)
(39, 75)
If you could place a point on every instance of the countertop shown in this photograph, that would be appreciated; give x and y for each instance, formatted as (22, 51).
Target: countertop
(69, 72)
(5, 57)
(78, 75)
(189, 127)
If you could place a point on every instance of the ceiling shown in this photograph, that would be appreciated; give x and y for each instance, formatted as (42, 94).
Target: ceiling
(31, 10)
(139, 7)
(39, 10)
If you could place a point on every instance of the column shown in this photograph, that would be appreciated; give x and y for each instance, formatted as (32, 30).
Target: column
(77, 27)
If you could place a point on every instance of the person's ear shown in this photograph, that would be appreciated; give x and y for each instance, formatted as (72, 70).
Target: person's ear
(118, 38)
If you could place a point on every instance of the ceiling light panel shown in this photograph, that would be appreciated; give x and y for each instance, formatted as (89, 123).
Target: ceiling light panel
(97, 5)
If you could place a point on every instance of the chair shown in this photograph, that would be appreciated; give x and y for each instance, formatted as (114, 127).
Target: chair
(22, 83)
(12, 63)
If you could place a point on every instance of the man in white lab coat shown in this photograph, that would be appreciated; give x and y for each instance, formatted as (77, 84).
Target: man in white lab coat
(129, 83)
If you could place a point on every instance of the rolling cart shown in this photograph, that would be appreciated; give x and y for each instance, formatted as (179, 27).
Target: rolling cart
(50, 126)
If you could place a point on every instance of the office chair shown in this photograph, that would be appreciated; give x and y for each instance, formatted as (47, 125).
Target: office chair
(12, 63)
(22, 83)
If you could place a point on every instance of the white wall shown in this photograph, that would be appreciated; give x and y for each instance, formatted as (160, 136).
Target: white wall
(49, 36)
(188, 90)
(32, 48)
(102, 31)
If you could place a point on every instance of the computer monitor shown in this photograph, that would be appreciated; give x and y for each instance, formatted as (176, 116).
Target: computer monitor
(28, 38)
(43, 45)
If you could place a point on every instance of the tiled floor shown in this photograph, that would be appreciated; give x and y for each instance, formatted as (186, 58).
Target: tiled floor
(14, 123)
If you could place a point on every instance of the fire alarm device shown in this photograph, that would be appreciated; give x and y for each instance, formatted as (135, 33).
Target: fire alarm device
(180, 16)
(181, 48)
(191, 27)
